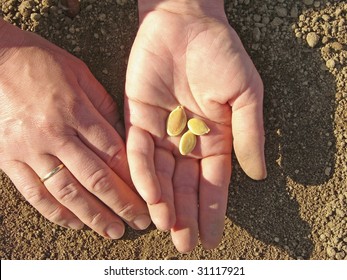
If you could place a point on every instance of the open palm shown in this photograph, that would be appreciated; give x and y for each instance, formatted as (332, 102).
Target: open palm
(198, 63)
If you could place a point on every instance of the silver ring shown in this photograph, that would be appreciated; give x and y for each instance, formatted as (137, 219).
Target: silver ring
(53, 172)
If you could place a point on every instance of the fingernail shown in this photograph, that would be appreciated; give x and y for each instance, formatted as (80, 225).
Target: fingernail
(142, 222)
(115, 230)
(75, 224)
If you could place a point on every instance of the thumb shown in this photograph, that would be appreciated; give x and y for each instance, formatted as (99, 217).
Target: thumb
(248, 130)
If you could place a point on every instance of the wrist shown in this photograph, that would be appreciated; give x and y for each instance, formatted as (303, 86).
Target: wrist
(199, 8)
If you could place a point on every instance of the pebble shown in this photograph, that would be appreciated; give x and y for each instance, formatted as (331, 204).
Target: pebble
(337, 46)
(102, 17)
(340, 213)
(276, 21)
(281, 11)
(277, 239)
(77, 49)
(316, 4)
(325, 40)
(294, 12)
(121, 2)
(265, 20)
(327, 171)
(257, 18)
(256, 34)
(340, 255)
(330, 63)
(312, 39)
(326, 17)
(331, 251)
(308, 2)
(322, 237)
(35, 17)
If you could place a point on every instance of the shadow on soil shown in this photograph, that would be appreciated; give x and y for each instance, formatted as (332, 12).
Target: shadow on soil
(300, 144)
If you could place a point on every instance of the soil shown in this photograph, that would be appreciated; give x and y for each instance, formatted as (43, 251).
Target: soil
(299, 211)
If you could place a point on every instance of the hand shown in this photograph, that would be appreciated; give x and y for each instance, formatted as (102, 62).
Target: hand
(181, 57)
(53, 111)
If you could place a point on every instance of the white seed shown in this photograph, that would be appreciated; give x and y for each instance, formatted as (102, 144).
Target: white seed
(176, 121)
(198, 127)
(187, 143)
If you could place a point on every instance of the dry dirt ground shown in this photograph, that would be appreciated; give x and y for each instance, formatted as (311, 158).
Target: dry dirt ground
(299, 211)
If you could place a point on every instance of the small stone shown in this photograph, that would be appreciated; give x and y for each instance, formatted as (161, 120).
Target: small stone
(294, 12)
(265, 20)
(77, 49)
(276, 22)
(35, 17)
(340, 255)
(121, 2)
(340, 213)
(308, 2)
(327, 171)
(102, 17)
(256, 34)
(337, 46)
(326, 17)
(277, 239)
(105, 71)
(325, 40)
(257, 18)
(331, 63)
(331, 251)
(281, 11)
(25, 8)
(316, 4)
(312, 39)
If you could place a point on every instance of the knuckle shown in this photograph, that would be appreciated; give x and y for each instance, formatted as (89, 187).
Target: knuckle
(57, 215)
(96, 219)
(107, 105)
(33, 194)
(68, 193)
(116, 156)
(126, 210)
(99, 181)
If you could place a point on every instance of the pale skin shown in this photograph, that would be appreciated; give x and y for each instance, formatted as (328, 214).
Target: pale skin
(54, 111)
(186, 53)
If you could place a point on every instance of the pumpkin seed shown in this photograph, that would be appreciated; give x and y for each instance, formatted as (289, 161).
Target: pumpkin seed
(176, 121)
(198, 127)
(187, 143)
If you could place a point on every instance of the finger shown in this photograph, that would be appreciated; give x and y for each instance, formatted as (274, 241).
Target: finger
(163, 212)
(103, 139)
(140, 150)
(92, 173)
(67, 190)
(213, 196)
(30, 186)
(186, 181)
(248, 133)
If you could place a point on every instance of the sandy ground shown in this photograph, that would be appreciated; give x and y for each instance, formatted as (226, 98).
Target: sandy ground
(299, 212)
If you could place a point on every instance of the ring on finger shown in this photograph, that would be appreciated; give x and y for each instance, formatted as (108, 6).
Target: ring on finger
(52, 172)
